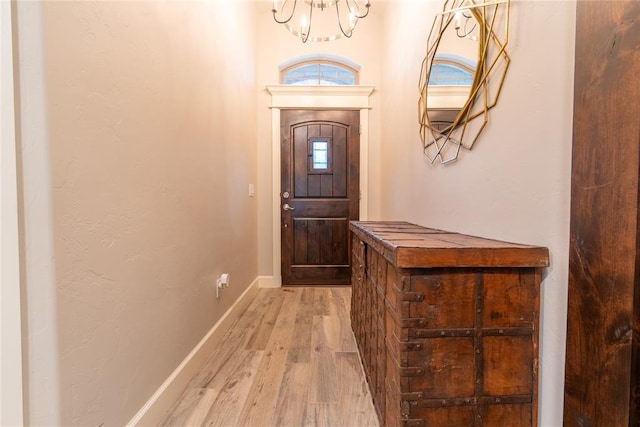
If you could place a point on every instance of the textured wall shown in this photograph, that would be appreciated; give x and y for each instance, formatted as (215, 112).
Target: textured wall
(150, 133)
(514, 184)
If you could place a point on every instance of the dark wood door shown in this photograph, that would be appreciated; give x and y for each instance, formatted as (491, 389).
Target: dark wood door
(319, 194)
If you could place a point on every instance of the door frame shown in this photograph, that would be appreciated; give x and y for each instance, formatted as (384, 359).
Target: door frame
(313, 98)
(11, 335)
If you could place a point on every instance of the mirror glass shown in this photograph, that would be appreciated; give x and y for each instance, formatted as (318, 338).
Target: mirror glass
(453, 68)
(462, 75)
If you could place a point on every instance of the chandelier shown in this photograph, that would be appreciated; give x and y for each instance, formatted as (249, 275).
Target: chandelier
(320, 20)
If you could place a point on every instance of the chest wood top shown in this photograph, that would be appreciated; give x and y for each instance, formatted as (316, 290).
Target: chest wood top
(409, 245)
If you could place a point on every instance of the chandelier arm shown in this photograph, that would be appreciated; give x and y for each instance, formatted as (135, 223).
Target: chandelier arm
(344, 33)
(462, 28)
(353, 5)
(274, 11)
(304, 37)
(466, 32)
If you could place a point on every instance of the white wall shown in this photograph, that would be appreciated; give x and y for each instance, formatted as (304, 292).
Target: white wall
(138, 135)
(515, 183)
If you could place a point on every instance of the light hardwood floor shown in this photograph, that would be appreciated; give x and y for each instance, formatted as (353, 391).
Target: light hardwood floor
(289, 360)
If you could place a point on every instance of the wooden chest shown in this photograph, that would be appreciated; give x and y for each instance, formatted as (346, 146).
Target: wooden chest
(446, 325)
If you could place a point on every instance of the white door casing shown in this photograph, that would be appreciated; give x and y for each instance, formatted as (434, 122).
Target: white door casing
(11, 399)
(315, 98)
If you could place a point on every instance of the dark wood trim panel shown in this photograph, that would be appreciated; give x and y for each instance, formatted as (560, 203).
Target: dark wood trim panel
(601, 376)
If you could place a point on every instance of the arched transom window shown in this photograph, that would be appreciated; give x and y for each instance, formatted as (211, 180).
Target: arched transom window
(451, 70)
(319, 70)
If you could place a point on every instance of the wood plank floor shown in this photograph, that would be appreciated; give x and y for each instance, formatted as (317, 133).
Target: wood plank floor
(289, 360)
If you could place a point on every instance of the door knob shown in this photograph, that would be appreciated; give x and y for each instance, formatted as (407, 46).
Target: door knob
(286, 207)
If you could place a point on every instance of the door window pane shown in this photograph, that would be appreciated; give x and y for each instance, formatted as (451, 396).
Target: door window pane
(320, 154)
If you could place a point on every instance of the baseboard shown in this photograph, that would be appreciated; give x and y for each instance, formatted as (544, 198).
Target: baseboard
(269, 282)
(154, 410)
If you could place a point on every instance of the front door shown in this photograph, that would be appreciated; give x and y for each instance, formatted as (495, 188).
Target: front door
(319, 194)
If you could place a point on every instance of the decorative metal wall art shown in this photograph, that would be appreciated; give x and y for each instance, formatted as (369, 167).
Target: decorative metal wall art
(453, 116)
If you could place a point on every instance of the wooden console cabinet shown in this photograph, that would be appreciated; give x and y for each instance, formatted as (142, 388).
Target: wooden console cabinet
(446, 325)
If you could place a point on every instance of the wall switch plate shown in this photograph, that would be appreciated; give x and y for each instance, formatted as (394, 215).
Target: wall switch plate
(222, 282)
(252, 190)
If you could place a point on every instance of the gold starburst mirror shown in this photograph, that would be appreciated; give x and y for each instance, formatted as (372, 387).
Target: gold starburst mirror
(462, 75)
